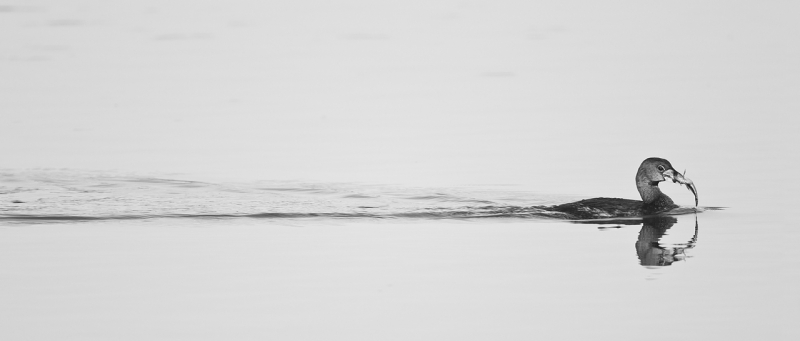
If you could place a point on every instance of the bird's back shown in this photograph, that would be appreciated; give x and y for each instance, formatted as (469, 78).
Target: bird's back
(600, 208)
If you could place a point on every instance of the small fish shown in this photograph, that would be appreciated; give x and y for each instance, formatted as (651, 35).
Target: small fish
(683, 180)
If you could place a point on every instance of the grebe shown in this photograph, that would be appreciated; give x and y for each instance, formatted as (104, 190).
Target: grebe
(652, 171)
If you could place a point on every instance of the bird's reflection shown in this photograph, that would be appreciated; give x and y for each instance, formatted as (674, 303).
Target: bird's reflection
(649, 248)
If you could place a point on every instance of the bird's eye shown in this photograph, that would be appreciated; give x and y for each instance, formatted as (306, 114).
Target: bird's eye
(660, 168)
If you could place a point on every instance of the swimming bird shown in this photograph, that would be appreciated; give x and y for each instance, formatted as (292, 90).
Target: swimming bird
(652, 171)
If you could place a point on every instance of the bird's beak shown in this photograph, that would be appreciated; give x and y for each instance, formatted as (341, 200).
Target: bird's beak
(679, 178)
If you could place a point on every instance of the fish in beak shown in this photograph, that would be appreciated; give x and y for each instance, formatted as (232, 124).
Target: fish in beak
(677, 177)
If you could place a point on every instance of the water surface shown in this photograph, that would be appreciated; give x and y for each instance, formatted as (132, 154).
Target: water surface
(301, 260)
(360, 171)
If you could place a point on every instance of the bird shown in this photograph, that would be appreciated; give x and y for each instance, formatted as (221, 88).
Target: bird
(652, 171)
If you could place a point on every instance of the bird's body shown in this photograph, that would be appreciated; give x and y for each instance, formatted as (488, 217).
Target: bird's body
(650, 173)
(601, 208)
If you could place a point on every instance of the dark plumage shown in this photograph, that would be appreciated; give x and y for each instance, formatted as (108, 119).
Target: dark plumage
(650, 173)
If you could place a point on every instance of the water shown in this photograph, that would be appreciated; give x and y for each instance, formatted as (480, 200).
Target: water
(41, 196)
(187, 259)
(348, 170)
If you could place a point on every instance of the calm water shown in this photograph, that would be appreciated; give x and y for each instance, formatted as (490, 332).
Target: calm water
(349, 170)
(93, 255)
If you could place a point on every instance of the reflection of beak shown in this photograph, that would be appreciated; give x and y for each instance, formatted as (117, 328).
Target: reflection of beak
(679, 178)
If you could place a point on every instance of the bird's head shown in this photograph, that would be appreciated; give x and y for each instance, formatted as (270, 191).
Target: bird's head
(654, 170)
